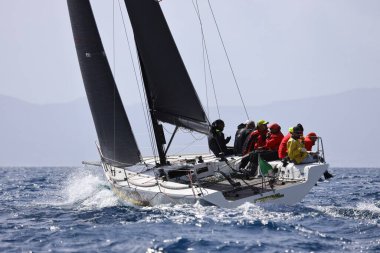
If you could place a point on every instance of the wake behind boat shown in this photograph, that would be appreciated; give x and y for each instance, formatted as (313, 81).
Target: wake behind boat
(172, 99)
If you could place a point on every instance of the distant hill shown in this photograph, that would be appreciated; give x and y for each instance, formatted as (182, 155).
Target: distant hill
(63, 134)
(37, 135)
(348, 123)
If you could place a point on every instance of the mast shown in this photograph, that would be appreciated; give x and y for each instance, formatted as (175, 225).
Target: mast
(170, 93)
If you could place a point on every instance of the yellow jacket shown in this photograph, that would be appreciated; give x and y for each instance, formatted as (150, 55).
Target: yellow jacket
(296, 150)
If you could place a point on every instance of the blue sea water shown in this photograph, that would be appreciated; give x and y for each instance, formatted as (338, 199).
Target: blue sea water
(74, 210)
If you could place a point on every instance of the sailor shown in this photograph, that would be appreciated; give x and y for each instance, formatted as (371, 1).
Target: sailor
(217, 142)
(282, 149)
(267, 152)
(296, 148)
(239, 130)
(310, 140)
(256, 138)
(241, 136)
(274, 138)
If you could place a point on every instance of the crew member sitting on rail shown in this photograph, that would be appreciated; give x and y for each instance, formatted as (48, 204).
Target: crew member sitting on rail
(274, 138)
(296, 149)
(267, 152)
(310, 140)
(256, 138)
(239, 130)
(217, 142)
(282, 150)
(242, 135)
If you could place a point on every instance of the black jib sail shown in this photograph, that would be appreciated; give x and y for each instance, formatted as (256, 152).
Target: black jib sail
(117, 143)
(172, 96)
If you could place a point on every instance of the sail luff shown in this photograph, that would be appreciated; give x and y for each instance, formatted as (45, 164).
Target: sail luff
(172, 94)
(117, 142)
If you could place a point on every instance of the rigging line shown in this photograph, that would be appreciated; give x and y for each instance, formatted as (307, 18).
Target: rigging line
(207, 57)
(186, 131)
(204, 63)
(228, 59)
(180, 151)
(113, 39)
(150, 122)
(114, 76)
(166, 130)
(137, 82)
(152, 136)
(197, 139)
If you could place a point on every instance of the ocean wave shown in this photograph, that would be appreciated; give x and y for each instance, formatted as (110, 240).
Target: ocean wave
(245, 215)
(85, 189)
(43, 209)
(365, 211)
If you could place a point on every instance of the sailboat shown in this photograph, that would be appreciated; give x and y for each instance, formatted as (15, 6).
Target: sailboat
(172, 99)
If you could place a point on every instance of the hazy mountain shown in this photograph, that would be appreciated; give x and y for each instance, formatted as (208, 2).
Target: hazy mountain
(347, 122)
(53, 134)
(63, 134)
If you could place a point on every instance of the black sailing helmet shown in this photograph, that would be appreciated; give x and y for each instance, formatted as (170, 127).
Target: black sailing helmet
(217, 124)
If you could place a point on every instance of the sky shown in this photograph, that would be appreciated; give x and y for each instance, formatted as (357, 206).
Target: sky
(279, 50)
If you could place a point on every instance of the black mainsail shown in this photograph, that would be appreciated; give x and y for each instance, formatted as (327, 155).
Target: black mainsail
(116, 139)
(171, 94)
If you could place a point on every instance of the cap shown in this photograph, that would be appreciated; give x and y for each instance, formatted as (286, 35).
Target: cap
(312, 134)
(274, 126)
(300, 126)
(262, 122)
(297, 130)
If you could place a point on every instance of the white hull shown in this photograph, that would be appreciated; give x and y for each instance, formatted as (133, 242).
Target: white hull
(142, 187)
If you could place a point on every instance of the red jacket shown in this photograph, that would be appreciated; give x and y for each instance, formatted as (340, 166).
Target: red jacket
(282, 149)
(273, 141)
(255, 140)
(250, 141)
(309, 143)
(261, 139)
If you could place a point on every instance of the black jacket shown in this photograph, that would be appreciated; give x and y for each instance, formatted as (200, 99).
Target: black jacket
(240, 137)
(217, 143)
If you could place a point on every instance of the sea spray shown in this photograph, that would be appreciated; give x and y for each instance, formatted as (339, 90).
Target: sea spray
(85, 188)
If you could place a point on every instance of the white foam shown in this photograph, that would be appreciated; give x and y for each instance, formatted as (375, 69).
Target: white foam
(364, 206)
(53, 228)
(200, 215)
(364, 211)
(85, 189)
